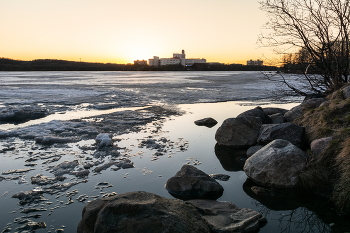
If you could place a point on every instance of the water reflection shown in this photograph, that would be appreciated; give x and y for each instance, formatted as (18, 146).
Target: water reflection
(296, 211)
(231, 159)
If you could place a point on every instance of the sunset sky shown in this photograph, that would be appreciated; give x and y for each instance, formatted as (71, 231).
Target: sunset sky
(121, 31)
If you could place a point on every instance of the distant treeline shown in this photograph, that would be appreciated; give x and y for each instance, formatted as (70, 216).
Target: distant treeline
(62, 65)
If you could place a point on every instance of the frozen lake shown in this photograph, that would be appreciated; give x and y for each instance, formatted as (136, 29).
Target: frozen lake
(123, 95)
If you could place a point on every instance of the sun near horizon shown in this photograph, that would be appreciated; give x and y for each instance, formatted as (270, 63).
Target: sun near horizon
(120, 32)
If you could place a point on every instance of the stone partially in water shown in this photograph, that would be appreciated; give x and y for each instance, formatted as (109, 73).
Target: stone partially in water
(239, 132)
(209, 122)
(141, 212)
(277, 164)
(226, 217)
(191, 183)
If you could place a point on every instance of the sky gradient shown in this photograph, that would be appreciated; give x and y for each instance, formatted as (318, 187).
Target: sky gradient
(121, 31)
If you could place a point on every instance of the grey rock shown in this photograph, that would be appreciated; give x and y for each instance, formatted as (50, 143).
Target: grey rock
(257, 112)
(277, 118)
(140, 212)
(298, 110)
(313, 103)
(225, 217)
(210, 122)
(346, 92)
(251, 150)
(272, 111)
(192, 183)
(318, 145)
(277, 164)
(294, 113)
(287, 131)
(239, 132)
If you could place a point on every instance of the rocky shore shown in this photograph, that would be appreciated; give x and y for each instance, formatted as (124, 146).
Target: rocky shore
(279, 152)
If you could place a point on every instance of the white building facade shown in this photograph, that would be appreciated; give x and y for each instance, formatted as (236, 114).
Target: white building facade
(177, 59)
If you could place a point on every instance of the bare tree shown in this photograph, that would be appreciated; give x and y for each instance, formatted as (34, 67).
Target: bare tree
(318, 31)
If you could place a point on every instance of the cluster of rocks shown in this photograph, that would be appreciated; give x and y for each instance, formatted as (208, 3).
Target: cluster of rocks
(197, 211)
(274, 146)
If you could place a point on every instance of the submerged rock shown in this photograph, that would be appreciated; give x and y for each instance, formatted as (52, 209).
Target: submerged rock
(191, 183)
(277, 164)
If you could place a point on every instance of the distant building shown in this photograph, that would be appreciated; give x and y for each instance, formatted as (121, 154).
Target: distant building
(142, 62)
(177, 59)
(254, 63)
(154, 62)
(192, 61)
(171, 61)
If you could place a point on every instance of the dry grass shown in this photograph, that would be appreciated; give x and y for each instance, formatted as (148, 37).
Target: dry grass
(331, 169)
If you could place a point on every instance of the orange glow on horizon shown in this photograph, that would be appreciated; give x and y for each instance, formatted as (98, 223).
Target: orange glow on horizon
(123, 31)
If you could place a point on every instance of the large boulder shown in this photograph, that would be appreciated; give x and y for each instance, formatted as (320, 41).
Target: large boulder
(225, 217)
(143, 212)
(287, 131)
(240, 132)
(140, 212)
(277, 164)
(257, 112)
(192, 183)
